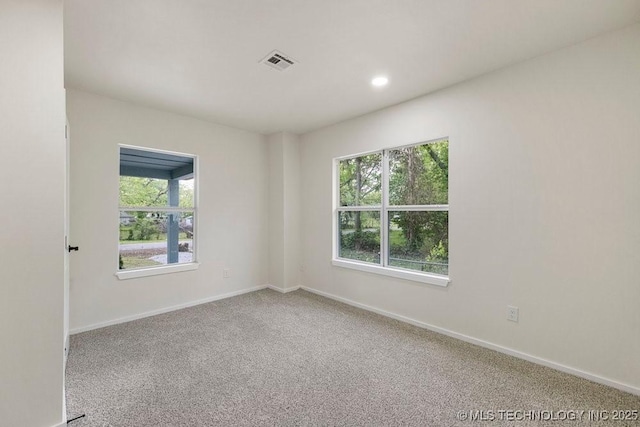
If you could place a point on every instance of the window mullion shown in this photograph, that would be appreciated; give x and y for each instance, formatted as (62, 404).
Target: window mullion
(420, 208)
(156, 209)
(374, 208)
(384, 213)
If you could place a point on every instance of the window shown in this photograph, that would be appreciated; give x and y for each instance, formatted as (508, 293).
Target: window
(392, 214)
(157, 209)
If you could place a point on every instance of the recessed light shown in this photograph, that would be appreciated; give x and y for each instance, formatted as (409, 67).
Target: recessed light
(379, 81)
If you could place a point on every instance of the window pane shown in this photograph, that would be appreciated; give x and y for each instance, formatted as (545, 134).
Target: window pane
(147, 237)
(361, 180)
(186, 192)
(153, 192)
(419, 241)
(359, 234)
(418, 175)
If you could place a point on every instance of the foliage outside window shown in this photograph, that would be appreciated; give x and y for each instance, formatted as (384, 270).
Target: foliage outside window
(393, 208)
(157, 209)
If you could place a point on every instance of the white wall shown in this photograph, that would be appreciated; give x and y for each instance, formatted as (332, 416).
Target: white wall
(291, 214)
(284, 210)
(32, 160)
(544, 207)
(276, 210)
(232, 212)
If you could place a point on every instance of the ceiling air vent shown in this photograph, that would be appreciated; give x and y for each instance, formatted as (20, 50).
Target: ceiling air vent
(278, 60)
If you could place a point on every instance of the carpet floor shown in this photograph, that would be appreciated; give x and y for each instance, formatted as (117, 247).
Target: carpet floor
(266, 358)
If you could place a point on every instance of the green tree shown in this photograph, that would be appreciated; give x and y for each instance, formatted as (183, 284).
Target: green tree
(136, 191)
(360, 185)
(419, 176)
(186, 194)
(150, 192)
(146, 226)
(361, 180)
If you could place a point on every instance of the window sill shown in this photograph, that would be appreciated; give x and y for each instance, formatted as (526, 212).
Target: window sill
(154, 271)
(430, 279)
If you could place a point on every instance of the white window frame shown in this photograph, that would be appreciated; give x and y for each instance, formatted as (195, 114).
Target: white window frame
(383, 268)
(168, 268)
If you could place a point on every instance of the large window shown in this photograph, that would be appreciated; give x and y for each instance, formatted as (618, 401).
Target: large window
(157, 209)
(393, 211)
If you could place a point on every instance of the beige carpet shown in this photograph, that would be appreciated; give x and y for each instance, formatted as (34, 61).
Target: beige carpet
(299, 359)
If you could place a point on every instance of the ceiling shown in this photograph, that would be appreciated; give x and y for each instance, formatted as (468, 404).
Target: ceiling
(201, 57)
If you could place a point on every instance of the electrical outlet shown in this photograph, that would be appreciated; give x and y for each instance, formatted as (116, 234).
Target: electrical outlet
(512, 313)
(226, 273)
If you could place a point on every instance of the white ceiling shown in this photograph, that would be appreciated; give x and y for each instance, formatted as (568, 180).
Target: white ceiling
(201, 57)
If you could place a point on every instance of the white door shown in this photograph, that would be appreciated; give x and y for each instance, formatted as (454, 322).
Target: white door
(66, 248)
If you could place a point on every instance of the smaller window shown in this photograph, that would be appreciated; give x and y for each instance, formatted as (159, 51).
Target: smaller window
(157, 209)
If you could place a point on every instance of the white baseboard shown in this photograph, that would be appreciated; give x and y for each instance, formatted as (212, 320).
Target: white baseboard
(164, 310)
(537, 360)
(283, 290)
